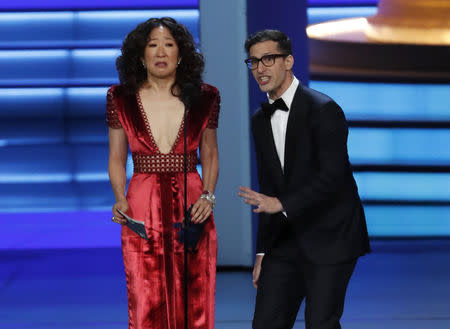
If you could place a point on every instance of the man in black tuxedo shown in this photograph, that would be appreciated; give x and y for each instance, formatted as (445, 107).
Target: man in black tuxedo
(311, 221)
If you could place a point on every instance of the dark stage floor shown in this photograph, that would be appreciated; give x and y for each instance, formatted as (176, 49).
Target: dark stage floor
(402, 284)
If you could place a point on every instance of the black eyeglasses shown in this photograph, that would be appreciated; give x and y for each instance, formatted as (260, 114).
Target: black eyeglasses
(267, 60)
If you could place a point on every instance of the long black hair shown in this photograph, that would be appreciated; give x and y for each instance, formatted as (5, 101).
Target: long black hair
(132, 73)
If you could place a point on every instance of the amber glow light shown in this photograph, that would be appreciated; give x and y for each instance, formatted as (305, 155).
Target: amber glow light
(338, 27)
(408, 35)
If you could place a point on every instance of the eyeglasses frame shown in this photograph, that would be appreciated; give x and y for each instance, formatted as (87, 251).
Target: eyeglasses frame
(274, 56)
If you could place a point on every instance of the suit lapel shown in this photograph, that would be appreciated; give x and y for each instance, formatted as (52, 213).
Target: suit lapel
(295, 122)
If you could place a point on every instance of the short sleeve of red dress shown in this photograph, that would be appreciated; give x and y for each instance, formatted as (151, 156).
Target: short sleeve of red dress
(213, 117)
(112, 116)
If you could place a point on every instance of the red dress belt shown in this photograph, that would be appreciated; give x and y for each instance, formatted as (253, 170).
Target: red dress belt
(164, 163)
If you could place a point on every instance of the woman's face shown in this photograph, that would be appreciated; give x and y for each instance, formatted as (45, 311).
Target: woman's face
(161, 54)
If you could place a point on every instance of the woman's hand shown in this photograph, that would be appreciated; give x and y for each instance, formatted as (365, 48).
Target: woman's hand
(123, 206)
(201, 210)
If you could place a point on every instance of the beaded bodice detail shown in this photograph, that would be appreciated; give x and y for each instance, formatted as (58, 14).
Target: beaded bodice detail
(149, 130)
(127, 112)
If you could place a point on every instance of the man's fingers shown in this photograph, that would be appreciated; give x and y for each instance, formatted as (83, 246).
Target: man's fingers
(254, 200)
(255, 283)
(251, 202)
(251, 197)
(245, 189)
(256, 272)
(244, 195)
(253, 194)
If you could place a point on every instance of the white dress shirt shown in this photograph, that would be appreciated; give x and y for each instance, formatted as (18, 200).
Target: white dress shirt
(279, 120)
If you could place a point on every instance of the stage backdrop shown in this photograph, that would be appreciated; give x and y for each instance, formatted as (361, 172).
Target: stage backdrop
(57, 61)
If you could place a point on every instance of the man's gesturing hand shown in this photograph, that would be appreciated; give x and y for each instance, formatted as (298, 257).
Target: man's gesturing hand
(263, 203)
(257, 270)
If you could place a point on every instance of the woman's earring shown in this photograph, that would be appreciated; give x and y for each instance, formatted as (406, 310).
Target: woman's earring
(179, 61)
(143, 65)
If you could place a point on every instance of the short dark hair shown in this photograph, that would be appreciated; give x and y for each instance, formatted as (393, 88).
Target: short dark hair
(284, 43)
(132, 74)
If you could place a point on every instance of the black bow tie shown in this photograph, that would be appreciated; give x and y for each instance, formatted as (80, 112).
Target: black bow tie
(269, 109)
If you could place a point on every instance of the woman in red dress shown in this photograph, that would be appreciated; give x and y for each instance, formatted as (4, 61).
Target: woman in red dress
(145, 113)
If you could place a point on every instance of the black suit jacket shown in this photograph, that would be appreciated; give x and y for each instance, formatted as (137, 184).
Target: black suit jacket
(325, 218)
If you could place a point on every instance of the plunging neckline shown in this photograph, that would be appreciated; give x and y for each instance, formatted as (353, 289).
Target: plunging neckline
(149, 129)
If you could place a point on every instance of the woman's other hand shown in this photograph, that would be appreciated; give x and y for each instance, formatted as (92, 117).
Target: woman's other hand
(201, 210)
(117, 217)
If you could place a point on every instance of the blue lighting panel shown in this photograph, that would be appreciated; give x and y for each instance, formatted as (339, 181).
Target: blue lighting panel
(25, 54)
(114, 25)
(20, 65)
(52, 163)
(34, 131)
(399, 146)
(38, 197)
(407, 221)
(63, 194)
(55, 163)
(88, 130)
(58, 66)
(388, 101)
(97, 4)
(91, 162)
(52, 102)
(63, 230)
(27, 102)
(338, 3)
(319, 14)
(86, 102)
(27, 28)
(96, 64)
(404, 186)
(82, 29)
(59, 230)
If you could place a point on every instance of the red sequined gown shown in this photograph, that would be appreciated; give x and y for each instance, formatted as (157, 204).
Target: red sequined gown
(155, 269)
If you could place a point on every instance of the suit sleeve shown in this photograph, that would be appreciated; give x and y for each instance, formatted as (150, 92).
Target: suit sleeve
(330, 134)
(264, 187)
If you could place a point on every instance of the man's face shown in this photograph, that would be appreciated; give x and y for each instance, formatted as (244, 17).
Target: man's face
(276, 78)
